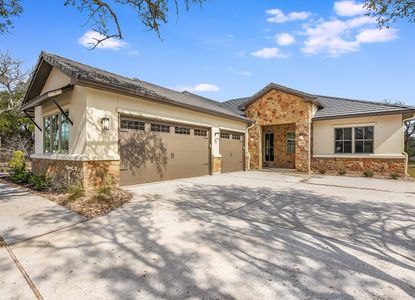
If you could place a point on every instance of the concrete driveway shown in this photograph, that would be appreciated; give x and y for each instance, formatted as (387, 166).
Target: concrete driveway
(247, 235)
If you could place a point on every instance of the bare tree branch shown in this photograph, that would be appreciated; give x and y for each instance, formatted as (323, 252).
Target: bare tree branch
(12, 80)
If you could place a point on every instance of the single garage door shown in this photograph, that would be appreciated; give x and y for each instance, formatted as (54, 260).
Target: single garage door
(232, 151)
(153, 151)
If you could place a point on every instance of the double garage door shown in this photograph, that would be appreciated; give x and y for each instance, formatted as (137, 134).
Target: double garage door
(153, 151)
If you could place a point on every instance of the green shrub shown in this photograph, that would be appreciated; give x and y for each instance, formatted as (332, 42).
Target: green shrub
(394, 175)
(322, 171)
(75, 192)
(18, 162)
(21, 176)
(342, 172)
(368, 173)
(104, 193)
(40, 182)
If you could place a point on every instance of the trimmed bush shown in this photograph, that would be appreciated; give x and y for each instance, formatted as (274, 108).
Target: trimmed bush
(40, 182)
(18, 162)
(342, 172)
(75, 192)
(22, 176)
(394, 175)
(368, 173)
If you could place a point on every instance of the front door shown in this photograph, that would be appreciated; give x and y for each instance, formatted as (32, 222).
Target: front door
(269, 149)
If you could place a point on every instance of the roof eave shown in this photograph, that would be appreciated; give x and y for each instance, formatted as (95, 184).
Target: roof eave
(96, 84)
(46, 96)
(385, 113)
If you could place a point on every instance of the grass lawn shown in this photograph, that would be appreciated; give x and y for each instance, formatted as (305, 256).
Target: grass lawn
(411, 169)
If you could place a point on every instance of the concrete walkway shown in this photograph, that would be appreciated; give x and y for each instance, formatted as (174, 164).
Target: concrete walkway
(246, 235)
(24, 215)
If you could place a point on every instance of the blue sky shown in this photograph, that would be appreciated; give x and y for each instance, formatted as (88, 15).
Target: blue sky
(228, 49)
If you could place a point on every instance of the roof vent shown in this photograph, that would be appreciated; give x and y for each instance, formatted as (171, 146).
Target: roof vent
(186, 93)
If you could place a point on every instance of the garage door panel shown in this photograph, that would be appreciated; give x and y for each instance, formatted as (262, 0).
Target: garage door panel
(148, 156)
(232, 151)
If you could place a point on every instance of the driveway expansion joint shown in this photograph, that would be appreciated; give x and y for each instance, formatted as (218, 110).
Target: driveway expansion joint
(26, 276)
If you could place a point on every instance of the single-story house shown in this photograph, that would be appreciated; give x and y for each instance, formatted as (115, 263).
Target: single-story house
(107, 128)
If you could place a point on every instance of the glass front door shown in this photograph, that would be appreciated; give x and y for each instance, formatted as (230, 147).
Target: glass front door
(269, 147)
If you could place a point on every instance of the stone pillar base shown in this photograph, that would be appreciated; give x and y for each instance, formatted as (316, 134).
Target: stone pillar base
(216, 165)
(89, 174)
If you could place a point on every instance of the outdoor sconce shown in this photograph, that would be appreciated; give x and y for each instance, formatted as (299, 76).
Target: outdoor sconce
(105, 123)
(217, 135)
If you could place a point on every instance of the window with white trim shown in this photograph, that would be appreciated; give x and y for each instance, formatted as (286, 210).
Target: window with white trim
(224, 135)
(131, 125)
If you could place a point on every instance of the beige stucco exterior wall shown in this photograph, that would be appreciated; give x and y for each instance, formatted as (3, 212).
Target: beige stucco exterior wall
(388, 135)
(75, 102)
(55, 80)
(104, 144)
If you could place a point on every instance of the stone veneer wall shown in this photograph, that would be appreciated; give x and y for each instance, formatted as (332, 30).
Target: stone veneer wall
(274, 108)
(381, 166)
(216, 165)
(90, 174)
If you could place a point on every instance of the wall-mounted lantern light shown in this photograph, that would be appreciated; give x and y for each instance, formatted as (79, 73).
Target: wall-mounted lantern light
(217, 135)
(105, 123)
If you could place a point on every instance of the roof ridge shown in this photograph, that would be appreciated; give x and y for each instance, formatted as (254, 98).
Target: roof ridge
(364, 101)
(126, 77)
(89, 66)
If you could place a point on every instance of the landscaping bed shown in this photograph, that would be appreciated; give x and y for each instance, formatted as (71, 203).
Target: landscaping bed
(2, 242)
(88, 204)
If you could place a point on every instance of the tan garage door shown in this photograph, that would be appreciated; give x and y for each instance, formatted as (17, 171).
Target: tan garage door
(232, 151)
(153, 151)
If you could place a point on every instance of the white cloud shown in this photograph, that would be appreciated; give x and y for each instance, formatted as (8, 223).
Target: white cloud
(284, 39)
(375, 35)
(240, 72)
(337, 37)
(133, 53)
(268, 53)
(349, 8)
(90, 38)
(201, 87)
(278, 16)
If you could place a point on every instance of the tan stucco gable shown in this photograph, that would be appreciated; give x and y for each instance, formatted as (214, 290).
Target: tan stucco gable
(56, 80)
(277, 107)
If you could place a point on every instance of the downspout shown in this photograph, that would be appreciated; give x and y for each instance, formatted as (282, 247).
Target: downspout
(403, 143)
(248, 166)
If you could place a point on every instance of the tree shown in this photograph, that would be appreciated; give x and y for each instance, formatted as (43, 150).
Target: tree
(103, 16)
(15, 130)
(408, 136)
(12, 83)
(389, 11)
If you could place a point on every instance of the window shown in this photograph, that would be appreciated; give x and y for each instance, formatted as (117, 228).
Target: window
(224, 135)
(236, 136)
(363, 139)
(343, 140)
(290, 141)
(200, 132)
(269, 147)
(160, 128)
(132, 125)
(181, 130)
(56, 133)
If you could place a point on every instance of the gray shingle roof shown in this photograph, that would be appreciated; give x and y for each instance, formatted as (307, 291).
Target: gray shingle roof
(333, 107)
(341, 107)
(86, 73)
